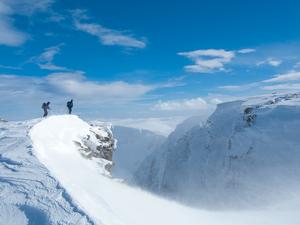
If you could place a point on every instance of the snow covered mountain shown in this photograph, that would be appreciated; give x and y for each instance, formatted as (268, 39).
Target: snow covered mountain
(54, 171)
(133, 146)
(246, 155)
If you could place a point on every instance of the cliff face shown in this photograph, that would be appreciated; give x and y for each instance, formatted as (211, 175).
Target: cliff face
(247, 154)
(133, 146)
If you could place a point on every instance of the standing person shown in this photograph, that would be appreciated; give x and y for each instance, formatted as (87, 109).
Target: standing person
(70, 106)
(45, 107)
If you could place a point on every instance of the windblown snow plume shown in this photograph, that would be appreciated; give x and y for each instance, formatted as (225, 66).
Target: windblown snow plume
(246, 156)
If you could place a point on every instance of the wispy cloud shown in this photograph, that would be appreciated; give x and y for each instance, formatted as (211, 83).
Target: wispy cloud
(75, 84)
(211, 60)
(208, 61)
(282, 87)
(22, 95)
(45, 60)
(105, 35)
(55, 17)
(285, 80)
(10, 35)
(231, 87)
(182, 105)
(10, 67)
(296, 65)
(28, 7)
(241, 87)
(246, 50)
(290, 76)
(270, 61)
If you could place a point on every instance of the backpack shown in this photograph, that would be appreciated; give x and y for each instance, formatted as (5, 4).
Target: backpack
(70, 104)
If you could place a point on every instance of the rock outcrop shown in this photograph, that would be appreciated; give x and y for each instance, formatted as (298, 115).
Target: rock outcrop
(98, 143)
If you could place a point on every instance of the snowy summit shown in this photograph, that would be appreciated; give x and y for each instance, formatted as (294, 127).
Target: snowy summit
(61, 172)
(149, 112)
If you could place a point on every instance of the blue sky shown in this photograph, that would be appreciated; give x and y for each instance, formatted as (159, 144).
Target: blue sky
(139, 59)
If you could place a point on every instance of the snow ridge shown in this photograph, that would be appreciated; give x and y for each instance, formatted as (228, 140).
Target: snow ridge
(28, 193)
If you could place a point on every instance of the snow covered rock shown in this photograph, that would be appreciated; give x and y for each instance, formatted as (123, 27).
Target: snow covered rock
(246, 155)
(94, 143)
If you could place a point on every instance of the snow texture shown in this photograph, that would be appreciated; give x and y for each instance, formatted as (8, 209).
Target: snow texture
(28, 192)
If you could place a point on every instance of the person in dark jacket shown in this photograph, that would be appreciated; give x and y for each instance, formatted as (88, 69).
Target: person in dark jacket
(70, 106)
(45, 107)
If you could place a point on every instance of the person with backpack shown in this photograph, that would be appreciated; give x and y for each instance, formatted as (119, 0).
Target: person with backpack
(70, 106)
(46, 107)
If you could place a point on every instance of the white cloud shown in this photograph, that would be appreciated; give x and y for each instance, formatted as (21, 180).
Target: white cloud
(270, 61)
(231, 87)
(182, 105)
(10, 67)
(55, 17)
(297, 65)
(75, 84)
(286, 77)
(208, 61)
(160, 125)
(23, 95)
(211, 60)
(290, 76)
(286, 86)
(242, 87)
(72, 84)
(246, 50)
(105, 35)
(28, 7)
(10, 35)
(215, 101)
(45, 60)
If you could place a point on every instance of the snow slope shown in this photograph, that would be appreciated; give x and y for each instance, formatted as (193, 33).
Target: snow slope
(28, 192)
(247, 155)
(110, 202)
